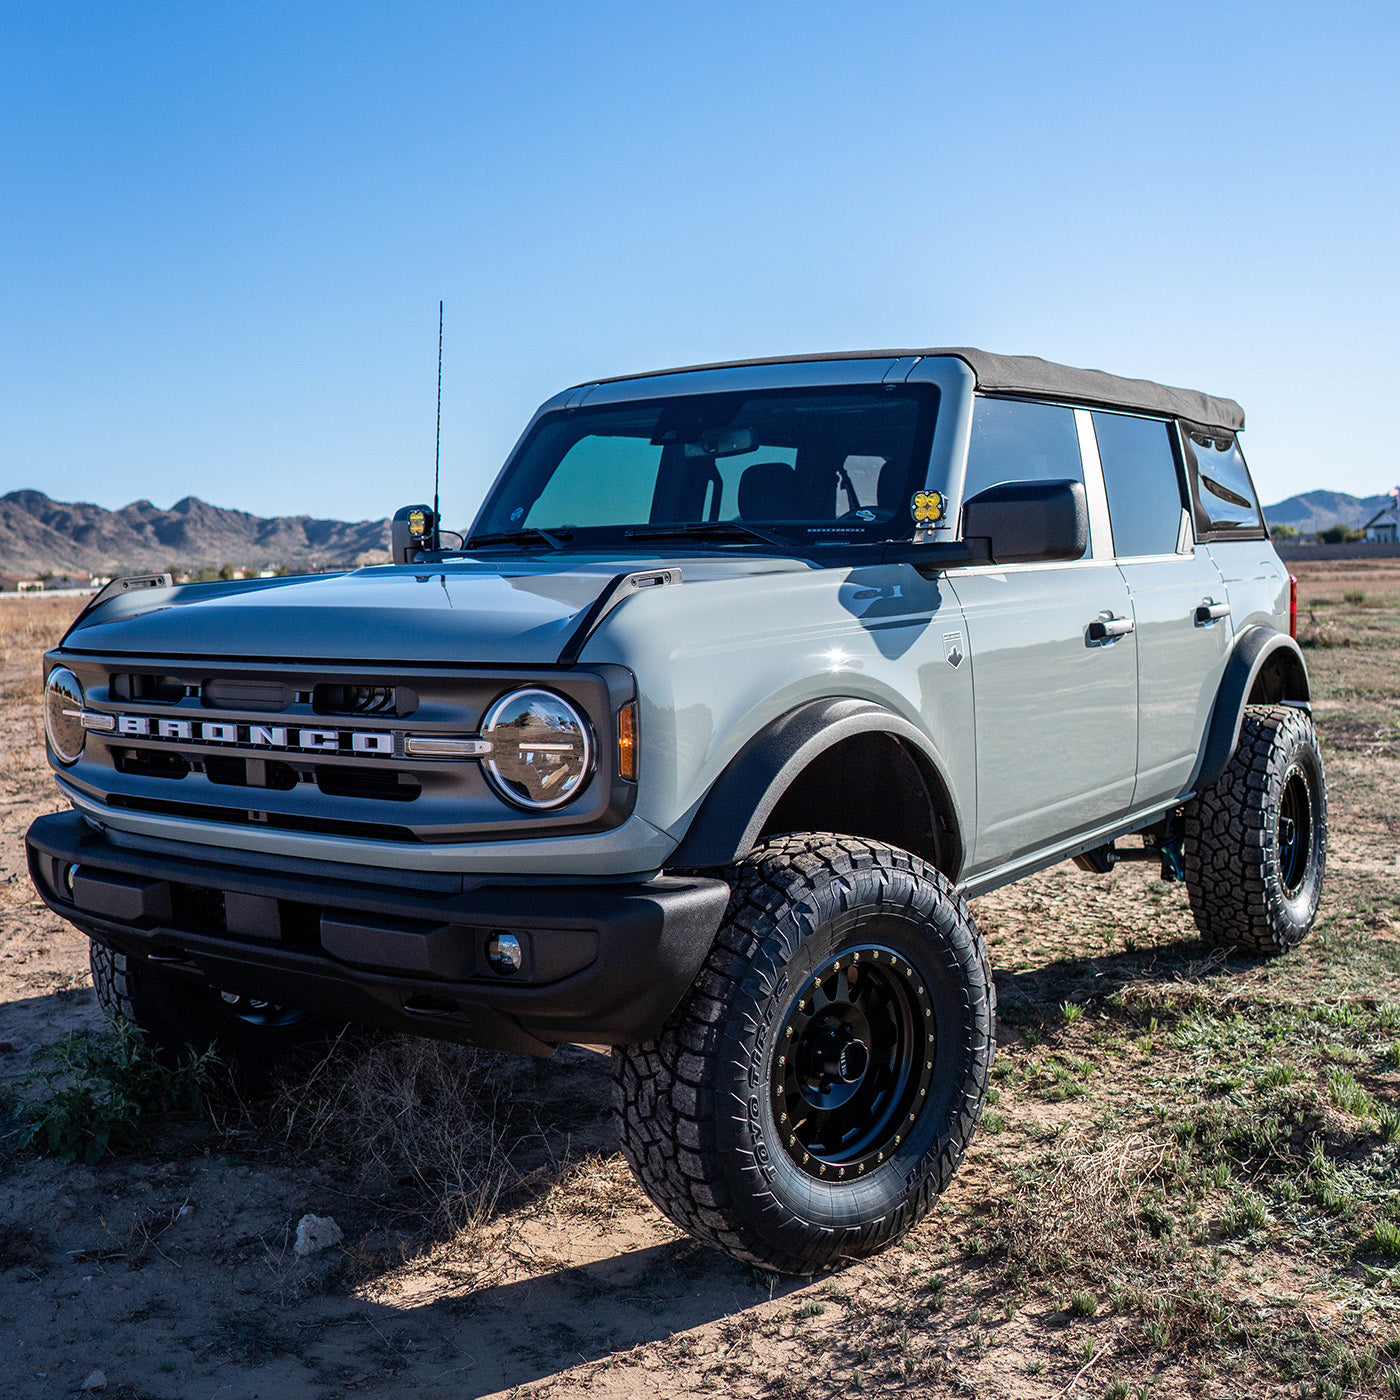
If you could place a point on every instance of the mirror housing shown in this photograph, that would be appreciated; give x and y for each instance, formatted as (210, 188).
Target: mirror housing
(415, 528)
(1029, 521)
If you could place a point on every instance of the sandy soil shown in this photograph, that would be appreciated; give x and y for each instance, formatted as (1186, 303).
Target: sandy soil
(171, 1271)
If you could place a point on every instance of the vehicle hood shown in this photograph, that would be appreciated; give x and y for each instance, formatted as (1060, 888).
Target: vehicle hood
(516, 611)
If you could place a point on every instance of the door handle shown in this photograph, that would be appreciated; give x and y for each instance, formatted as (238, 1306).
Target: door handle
(1211, 612)
(1106, 629)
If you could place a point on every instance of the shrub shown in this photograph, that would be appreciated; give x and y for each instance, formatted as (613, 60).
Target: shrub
(101, 1091)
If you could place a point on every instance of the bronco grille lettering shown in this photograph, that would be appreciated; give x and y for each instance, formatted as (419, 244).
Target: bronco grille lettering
(258, 736)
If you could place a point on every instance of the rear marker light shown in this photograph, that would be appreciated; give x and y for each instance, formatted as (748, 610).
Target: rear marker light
(1293, 607)
(627, 741)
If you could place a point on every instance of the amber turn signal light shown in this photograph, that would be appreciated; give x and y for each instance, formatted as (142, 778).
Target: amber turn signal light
(627, 741)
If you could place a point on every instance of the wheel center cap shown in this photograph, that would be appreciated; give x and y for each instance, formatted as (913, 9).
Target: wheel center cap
(839, 1056)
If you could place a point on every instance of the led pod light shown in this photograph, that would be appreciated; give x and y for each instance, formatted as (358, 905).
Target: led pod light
(541, 749)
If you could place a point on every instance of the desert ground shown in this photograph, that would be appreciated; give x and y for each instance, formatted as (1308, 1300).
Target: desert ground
(1187, 1181)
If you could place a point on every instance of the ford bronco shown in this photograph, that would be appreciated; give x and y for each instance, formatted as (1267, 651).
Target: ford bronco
(744, 679)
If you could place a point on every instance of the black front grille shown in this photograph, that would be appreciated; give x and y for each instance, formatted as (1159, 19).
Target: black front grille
(251, 772)
(262, 697)
(387, 786)
(146, 763)
(245, 742)
(332, 699)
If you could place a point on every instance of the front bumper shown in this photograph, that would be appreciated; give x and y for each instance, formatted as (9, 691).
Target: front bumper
(603, 963)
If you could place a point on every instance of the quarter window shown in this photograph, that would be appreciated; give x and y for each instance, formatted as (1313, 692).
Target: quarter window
(1226, 506)
(1142, 481)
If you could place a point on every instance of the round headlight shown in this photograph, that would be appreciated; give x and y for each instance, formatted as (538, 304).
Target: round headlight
(63, 709)
(541, 750)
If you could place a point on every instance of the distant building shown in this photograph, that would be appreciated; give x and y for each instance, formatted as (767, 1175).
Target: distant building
(1384, 526)
(68, 581)
(17, 583)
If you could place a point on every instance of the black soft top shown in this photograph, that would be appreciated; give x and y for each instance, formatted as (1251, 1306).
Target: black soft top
(1028, 374)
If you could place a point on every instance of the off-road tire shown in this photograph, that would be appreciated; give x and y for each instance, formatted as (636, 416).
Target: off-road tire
(698, 1107)
(178, 1014)
(1250, 886)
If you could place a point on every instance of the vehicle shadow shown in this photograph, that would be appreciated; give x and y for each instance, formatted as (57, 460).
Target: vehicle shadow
(1023, 995)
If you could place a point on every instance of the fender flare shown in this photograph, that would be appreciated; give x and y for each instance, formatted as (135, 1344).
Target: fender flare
(742, 798)
(1255, 648)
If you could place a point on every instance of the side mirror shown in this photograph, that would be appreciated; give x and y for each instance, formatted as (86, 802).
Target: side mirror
(1029, 521)
(414, 528)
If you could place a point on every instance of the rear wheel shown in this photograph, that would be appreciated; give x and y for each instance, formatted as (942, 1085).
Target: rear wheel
(1256, 840)
(818, 1087)
(177, 1013)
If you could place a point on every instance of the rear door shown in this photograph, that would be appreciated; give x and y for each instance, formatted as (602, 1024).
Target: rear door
(1179, 601)
(1056, 711)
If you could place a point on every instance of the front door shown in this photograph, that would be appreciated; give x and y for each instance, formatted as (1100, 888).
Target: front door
(1056, 711)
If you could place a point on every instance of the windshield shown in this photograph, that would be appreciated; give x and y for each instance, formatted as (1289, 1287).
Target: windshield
(811, 466)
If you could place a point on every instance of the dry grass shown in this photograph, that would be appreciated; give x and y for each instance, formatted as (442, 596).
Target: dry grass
(30, 626)
(1082, 1206)
(420, 1119)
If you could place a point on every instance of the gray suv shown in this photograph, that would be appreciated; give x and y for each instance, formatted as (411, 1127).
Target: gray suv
(744, 679)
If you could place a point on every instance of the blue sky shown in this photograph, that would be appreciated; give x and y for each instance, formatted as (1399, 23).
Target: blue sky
(224, 229)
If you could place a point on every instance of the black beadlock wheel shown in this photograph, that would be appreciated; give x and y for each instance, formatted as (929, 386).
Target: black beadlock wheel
(819, 1085)
(178, 1014)
(1256, 839)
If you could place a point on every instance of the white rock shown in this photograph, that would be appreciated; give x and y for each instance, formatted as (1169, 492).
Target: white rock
(96, 1381)
(315, 1233)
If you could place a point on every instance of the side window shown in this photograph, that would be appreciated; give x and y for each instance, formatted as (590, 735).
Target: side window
(1017, 441)
(1142, 481)
(1226, 506)
(1014, 440)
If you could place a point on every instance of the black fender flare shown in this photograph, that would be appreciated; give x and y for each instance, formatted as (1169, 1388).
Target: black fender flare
(733, 812)
(1255, 648)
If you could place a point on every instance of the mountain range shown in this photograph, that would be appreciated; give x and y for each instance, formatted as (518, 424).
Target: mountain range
(42, 536)
(1316, 510)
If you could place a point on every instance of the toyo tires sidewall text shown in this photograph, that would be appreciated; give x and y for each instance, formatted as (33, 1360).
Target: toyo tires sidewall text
(727, 1173)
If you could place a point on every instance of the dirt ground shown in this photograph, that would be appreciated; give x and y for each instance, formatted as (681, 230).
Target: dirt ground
(1187, 1182)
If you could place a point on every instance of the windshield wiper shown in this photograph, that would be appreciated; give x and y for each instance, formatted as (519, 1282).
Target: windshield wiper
(707, 530)
(553, 538)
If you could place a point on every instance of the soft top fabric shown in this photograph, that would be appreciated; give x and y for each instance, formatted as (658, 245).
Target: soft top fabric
(1028, 374)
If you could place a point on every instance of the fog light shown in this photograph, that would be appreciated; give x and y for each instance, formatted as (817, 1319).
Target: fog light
(504, 953)
(69, 872)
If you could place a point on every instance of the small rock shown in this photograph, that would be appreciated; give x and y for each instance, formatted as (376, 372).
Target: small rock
(315, 1233)
(186, 1209)
(96, 1381)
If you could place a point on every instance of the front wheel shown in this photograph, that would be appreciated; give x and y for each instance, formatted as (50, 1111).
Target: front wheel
(177, 1014)
(819, 1085)
(1256, 840)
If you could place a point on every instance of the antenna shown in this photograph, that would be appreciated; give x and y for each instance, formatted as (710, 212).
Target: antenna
(437, 449)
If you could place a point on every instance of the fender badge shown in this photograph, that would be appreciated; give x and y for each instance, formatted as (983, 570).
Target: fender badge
(927, 507)
(953, 648)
